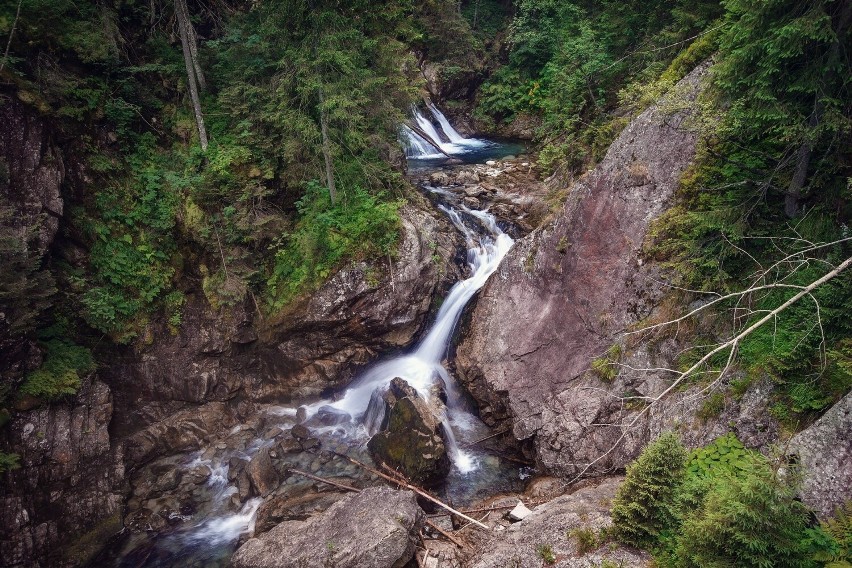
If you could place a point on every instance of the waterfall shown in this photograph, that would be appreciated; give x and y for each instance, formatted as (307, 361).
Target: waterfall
(445, 137)
(451, 133)
(422, 367)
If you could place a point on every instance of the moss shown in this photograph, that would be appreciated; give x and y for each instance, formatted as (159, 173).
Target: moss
(83, 549)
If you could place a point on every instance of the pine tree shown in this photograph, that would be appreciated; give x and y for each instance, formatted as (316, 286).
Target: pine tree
(645, 503)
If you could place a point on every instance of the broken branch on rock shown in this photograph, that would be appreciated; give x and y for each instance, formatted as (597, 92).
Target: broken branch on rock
(413, 488)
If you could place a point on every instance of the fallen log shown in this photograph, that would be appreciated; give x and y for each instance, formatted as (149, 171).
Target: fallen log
(323, 480)
(449, 537)
(413, 488)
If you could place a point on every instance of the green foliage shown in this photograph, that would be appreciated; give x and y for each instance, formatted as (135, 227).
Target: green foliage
(60, 372)
(545, 551)
(831, 542)
(568, 61)
(132, 245)
(644, 506)
(712, 406)
(588, 539)
(606, 368)
(748, 519)
(358, 226)
(9, 462)
(727, 507)
(725, 455)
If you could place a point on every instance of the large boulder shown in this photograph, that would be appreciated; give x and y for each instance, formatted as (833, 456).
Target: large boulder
(376, 528)
(548, 536)
(824, 453)
(414, 439)
(264, 477)
(566, 292)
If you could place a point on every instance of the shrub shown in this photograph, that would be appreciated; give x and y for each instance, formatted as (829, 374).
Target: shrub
(360, 225)
(59, 374)
(644, 506)
(747, 519)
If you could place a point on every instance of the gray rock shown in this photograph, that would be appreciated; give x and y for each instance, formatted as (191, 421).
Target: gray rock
(567, 291)
(825, 455)
(263, 476)
(413, 441)
(376, 528)
(550, 525)
(519, 513)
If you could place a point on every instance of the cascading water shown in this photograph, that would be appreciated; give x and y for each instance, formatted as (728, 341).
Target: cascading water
(422, 367)
(445, 137)
(448, 129)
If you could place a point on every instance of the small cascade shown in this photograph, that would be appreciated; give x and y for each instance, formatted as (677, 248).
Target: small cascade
(448, 129)
(415, 146)
(422, 367)
(422, 145)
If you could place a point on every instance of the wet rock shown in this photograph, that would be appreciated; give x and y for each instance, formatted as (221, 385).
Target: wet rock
(289, 445)
(377, 528)
(273, 432)
(264, 477)
(184, 431)
(439, 179)
(824, 452)
(273, 511)
(243, 485)
(467, 177)
(235, 467)
(414, 439)
(167, 480)
(200, 474)
(301, 432)
(329, 416)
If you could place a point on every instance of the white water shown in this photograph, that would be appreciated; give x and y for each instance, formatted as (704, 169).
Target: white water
(448, 129)
(444, 136)
(422, 367)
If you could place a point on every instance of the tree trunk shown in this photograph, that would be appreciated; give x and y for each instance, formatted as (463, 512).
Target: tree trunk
(803, 156)
(184, 28)
(326, 152)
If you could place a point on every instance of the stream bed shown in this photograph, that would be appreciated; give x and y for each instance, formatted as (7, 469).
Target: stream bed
(207, 534)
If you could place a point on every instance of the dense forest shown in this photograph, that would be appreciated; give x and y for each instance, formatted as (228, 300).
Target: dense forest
(252, 149)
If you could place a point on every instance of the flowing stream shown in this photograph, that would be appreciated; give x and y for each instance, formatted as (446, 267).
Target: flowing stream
(208, 537)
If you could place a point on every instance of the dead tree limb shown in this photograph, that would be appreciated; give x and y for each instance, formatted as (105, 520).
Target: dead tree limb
(323, 480)
(732, 344)
(449, 537)
(184, 27)
(413, 488)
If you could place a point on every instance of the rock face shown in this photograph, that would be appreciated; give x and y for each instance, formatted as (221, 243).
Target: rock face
(824, 452)
(376, 528)
(65, 501)
(414, 439)
(565, 292)
(313, 347)
(549, 530)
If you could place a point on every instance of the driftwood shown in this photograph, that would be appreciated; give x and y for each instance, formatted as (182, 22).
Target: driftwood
(450, 537)
(410, 487)
(419, 131)
(322, 480)
(494, 435)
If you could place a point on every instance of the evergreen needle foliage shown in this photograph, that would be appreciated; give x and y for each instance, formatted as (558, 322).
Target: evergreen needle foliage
(645, 503)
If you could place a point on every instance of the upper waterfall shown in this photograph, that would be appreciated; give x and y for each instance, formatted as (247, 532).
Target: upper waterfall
(424, 138)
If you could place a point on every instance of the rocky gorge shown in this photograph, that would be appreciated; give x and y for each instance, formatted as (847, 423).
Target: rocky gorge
(222, 419)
